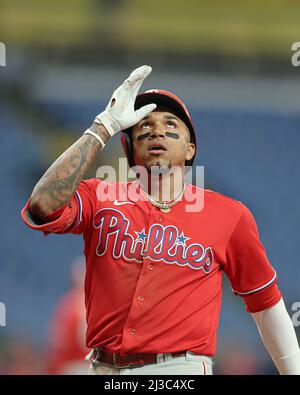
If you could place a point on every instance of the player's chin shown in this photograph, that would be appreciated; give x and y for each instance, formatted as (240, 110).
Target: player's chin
(161, 158)
(158, 163)
(153, 160)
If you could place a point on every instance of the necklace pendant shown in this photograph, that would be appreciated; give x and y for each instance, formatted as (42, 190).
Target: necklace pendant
(165, 209)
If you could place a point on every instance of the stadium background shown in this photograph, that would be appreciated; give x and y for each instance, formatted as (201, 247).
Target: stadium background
(231, 64)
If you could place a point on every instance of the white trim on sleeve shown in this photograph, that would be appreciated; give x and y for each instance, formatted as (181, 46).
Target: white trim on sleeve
(80, 207)
(257, 289)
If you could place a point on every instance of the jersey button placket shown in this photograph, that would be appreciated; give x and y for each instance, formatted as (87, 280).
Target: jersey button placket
(141, 298)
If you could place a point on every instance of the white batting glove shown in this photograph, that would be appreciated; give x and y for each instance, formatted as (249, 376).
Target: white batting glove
(120, 113)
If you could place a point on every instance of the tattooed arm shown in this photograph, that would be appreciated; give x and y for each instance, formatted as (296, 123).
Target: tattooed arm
(58, 185)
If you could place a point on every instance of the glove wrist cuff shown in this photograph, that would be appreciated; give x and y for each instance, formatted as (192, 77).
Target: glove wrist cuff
(110, 124)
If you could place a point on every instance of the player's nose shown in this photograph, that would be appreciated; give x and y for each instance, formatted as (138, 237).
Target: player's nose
(157, 131)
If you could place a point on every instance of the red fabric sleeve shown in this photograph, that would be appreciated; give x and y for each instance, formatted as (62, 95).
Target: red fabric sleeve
(56, 214)
(73, 218)
(262, 300)
(247, 265)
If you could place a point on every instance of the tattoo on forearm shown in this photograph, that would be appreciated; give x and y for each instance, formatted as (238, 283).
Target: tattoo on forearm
(61, 180)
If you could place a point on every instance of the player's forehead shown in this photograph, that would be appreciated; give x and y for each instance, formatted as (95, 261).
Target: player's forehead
(159, 116)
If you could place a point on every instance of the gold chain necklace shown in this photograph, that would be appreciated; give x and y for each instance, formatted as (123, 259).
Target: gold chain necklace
(165, 206)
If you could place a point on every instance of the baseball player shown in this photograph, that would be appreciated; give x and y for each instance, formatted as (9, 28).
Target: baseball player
(154, 269)
(66, 349)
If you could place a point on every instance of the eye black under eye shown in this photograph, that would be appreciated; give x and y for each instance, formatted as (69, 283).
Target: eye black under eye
(143, 136)
(172, 135)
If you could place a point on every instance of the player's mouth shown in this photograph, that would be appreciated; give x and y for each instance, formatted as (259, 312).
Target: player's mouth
(157, 149)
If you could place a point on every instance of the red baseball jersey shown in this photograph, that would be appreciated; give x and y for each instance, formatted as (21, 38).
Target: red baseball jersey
(153, 279)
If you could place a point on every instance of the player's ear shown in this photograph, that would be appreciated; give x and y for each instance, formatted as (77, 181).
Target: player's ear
(191, 151)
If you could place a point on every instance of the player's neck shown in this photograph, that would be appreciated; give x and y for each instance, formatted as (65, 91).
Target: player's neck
(164, 187)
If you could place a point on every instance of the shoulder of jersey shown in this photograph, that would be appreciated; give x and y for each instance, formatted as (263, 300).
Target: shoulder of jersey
(209, 195)
(94, 182)
(220, 199)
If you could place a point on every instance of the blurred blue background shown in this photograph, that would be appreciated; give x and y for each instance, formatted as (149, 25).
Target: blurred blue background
(244, 100)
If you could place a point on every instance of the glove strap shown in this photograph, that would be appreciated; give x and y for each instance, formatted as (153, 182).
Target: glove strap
(89, 131)
(108, 122)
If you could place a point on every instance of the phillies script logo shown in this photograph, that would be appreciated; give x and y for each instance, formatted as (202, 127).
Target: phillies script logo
(162, 243)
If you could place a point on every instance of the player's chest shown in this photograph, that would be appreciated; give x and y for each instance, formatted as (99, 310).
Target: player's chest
(139, 232)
